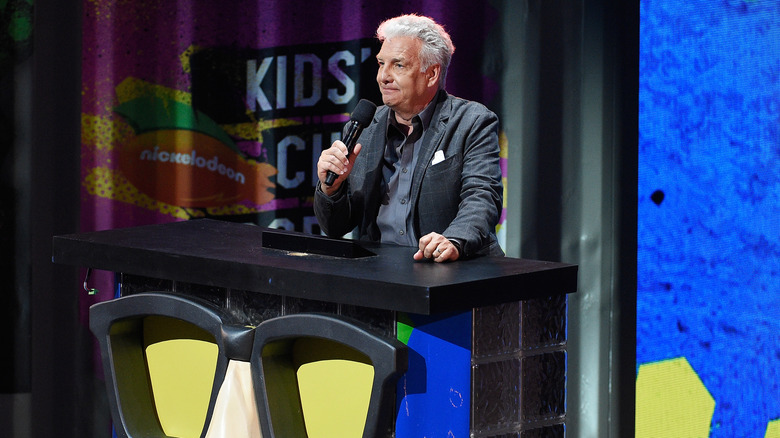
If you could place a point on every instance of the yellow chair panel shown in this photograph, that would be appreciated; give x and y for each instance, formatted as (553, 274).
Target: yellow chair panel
(335, 384)
(181, 360)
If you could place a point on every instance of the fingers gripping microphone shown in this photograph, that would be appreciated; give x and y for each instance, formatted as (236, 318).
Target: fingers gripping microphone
(359, 119)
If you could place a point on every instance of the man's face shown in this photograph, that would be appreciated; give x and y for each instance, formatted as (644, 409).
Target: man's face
(404, 87)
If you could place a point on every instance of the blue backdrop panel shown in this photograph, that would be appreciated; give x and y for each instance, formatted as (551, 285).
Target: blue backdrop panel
(709, 202)
(434, 394)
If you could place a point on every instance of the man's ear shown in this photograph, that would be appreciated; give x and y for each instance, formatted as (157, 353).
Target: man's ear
(433, 74)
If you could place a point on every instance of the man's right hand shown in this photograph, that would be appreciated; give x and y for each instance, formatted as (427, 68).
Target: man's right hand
(336, 160)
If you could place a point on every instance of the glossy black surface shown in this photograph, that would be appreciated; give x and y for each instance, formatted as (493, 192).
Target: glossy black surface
(232, 255)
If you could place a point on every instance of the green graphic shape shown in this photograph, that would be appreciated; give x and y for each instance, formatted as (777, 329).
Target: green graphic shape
(151, 113)
(404, 328)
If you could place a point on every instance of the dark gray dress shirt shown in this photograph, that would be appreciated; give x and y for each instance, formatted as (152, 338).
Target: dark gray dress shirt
(400, 158)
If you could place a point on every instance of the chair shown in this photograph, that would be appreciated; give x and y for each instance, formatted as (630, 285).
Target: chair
(294, 365)
(165, 357)
(181, 366)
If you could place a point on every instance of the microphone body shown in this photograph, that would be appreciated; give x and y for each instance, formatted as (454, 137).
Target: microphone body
(359, 119)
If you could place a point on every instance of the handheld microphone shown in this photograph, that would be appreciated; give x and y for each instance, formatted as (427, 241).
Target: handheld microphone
(359, 119)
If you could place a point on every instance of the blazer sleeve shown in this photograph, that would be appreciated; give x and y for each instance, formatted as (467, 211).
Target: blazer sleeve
(334, 212)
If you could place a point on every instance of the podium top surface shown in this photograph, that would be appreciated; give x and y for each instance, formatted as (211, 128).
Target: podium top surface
(247, 257)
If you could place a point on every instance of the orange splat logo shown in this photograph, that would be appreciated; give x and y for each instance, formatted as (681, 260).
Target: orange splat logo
(191, 169)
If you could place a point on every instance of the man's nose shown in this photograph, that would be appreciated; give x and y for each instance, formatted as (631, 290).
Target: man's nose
(382, 75)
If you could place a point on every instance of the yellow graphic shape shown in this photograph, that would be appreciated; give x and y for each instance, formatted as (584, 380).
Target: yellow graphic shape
(773, 429)
(254, 130)
(235, 209)
(133, 88)
(103, 132)
(185, 56)
(671, 401)
(504, 182)
(335, 384)
(181, 360)
(503, 144)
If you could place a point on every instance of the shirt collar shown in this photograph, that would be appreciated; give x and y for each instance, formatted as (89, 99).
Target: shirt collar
(424, 116)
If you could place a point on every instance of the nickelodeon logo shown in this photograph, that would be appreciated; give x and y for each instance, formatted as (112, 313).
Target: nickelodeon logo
(191, 169)
(672, 401)
(192, 159)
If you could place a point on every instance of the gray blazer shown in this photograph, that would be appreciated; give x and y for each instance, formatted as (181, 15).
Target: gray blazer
(460, 197)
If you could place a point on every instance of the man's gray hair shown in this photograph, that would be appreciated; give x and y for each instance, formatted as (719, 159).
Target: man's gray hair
(437, 47)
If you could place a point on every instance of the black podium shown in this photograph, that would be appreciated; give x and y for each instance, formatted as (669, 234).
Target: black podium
(486, 337)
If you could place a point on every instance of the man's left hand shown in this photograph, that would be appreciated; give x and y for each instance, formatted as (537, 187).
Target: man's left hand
(436, 247)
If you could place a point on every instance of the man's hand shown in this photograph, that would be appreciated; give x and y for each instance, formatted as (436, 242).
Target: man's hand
(437, 247)
(337, 160)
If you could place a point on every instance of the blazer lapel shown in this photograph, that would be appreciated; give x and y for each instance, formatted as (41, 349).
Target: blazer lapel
(431, 141)
(372, 155)
(372, 159)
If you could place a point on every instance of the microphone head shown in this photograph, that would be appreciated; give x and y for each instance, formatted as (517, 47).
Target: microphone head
(363, 112)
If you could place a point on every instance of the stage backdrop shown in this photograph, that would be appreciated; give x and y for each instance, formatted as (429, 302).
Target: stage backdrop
(196, 109)
(708, 293)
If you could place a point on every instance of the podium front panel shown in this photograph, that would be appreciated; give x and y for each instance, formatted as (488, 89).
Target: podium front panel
(486, 337)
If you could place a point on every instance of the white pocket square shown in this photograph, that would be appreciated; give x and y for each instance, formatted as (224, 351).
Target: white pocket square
(438, 157)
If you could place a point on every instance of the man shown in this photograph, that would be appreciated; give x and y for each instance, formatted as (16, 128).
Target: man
(425, 172)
